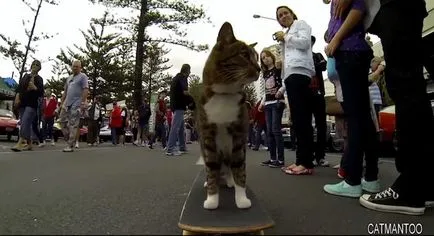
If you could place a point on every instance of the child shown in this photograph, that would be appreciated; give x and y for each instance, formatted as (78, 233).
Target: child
(353, 55)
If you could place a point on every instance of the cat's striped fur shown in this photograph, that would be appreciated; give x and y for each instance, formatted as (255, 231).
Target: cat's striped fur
(222, 115)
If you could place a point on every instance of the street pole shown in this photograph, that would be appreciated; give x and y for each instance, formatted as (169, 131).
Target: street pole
(256, 16)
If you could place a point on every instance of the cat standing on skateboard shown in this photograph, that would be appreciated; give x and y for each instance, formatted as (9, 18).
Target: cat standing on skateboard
(222, 116)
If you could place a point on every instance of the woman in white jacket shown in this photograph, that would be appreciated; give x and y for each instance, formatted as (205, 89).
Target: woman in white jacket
(297, 71)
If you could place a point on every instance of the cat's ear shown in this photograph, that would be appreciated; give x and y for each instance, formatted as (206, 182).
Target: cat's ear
(253, 45)
(226, 34)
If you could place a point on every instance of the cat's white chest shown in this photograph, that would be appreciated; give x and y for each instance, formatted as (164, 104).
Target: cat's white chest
(223, 108)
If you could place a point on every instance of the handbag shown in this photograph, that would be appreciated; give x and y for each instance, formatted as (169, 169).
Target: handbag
(333, 107)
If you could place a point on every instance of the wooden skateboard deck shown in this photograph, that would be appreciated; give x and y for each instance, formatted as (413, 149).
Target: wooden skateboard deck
(227, 218)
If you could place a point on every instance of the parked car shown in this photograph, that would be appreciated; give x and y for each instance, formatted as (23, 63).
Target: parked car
(105, 134)
(387, 123)
(8, 124)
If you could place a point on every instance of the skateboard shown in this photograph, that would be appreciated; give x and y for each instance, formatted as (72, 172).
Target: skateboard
(227, 218)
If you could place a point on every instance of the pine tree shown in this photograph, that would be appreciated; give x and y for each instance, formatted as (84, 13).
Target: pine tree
(168, 15)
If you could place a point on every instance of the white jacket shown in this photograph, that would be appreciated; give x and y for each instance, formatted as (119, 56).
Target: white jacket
(297, 51)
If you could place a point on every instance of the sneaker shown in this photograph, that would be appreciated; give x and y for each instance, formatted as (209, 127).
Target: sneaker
(429, 204)
(371, 186)
(344, 189)
(321, 163)
(266, 163)
(337, 166)
(183, 151)
(53, 143)
(27, 147)
(42, 144)
(389, 201)
(341, 173)
(276, 164)
(173, 154)
(18, 147)
(68, 149)
(77, 145)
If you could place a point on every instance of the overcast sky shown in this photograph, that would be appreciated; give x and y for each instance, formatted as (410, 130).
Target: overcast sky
(70, 16)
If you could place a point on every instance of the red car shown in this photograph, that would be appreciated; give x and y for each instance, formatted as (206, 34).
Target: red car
(386, 118)
(8, 124)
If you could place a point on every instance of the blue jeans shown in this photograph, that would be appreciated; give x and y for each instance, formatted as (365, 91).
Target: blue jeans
(114, 136)
(47, 128)
(27, 115)
(258, 135)
(273, 119)
(160, 131)
(353, 69)
(177, 131)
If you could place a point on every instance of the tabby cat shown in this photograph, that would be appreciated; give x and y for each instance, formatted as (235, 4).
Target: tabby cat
(222, 120)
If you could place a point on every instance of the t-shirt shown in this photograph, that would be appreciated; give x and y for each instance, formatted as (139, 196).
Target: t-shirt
(355, 40)
(177, 97)
(74, 88)
(30, 98)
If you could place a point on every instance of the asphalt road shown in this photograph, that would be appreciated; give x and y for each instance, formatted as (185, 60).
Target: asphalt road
(133, 190)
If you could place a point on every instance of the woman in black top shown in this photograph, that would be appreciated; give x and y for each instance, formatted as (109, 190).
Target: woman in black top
(29, 91)
(273, 103)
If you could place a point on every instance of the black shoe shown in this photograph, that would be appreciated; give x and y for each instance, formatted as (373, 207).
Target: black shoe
(266, 163)
(389, 201)
(276, 164)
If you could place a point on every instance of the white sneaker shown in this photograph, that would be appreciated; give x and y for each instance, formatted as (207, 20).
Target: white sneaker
(53, 143)
(41, 144)
(77, 145)
(68, 149)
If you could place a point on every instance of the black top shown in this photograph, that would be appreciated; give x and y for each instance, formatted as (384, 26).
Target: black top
(320, 66)
(419, 3)
(273, 82)
(30, 98)
(124, 118)
(178, 100)
(144, 114)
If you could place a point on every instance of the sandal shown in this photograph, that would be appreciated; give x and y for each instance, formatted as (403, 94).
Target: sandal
(304, 171)
(287, 168)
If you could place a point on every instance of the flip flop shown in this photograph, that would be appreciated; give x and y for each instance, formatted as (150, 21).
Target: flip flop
(285, 168)
(300, 172)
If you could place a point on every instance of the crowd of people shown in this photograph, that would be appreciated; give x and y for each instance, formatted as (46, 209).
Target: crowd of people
(39, 109)
(363, 84)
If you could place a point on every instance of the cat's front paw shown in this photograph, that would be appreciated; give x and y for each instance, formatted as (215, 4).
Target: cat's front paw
(243, 202)
(211, 202)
